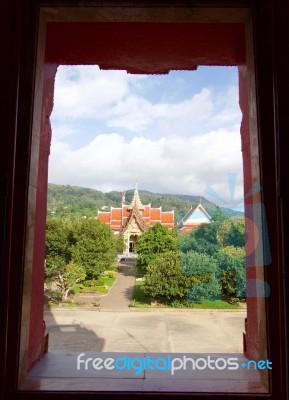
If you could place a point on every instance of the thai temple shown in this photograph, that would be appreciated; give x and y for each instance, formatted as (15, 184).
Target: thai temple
(195, 216)
(131, 220)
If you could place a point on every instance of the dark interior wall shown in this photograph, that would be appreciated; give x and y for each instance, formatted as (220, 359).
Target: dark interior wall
(280, 67)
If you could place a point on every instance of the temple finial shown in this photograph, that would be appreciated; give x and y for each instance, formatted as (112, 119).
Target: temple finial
(123, 196)
(136, 201)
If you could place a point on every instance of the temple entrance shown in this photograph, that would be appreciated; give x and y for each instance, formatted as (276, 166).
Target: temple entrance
(132, 243)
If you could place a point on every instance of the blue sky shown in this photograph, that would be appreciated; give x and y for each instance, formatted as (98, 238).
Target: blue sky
(175, 133)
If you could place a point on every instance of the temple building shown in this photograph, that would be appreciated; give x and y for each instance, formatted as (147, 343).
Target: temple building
(195, 216)
(131, 220)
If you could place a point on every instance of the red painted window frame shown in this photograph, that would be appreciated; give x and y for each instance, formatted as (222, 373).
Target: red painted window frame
(20, 54)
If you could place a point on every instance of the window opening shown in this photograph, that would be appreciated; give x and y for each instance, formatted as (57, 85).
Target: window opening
(259, 210)
(183, 143)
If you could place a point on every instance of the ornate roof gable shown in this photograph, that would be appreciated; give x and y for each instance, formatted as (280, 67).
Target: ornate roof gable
(144, 216)
(135, 215)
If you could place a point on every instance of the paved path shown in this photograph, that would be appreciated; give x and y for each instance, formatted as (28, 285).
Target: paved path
(142, 331)
(119, 297)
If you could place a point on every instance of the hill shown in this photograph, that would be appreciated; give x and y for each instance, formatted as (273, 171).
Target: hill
(79, 202)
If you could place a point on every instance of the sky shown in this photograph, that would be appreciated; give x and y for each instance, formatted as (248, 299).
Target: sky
(177, 133)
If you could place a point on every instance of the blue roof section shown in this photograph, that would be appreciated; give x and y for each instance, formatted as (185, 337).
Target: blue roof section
(197, 216)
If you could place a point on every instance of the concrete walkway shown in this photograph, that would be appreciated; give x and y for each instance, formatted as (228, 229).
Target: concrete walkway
(94, 335)
(119, 297)
(193, 331)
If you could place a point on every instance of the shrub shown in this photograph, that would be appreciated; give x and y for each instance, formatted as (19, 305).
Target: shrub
(232, 271)
(110, 274)
(164, 278)
(202, 269)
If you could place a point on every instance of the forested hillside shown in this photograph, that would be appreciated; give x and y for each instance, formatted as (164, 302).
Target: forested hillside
(79, 202)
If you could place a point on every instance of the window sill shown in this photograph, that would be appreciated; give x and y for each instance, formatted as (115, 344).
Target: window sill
(58, 372)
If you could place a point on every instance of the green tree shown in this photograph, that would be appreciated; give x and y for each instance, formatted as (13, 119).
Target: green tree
(232, 271)
(58, 265)
(237, 235)
(157, 240)
(231, 232)
(184, 277)
(164, 278)
(200, 241)
(120, 245)
(203, 239)
(234, 252)
(202, 269)
(88, 243)
(71, 275)
(208, 232)
(223, 239)
(93, 246)
(58, 250)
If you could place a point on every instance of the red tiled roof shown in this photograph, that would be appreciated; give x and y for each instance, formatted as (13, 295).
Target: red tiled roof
(116, 214)
(155, 214)
(115, 224)
(104, 217)
(117, 218)
(146, 211)
(167, 218)
(125, 211)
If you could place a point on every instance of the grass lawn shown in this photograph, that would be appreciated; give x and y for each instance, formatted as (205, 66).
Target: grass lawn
(102, 285)
(217, 305)
(141, 300)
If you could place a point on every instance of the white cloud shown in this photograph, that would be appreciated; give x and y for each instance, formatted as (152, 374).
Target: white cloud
(63, 132)
(227, 103)
(136, 113)
(115, 98)
(87, 92)
(168, 165)
(173, 147)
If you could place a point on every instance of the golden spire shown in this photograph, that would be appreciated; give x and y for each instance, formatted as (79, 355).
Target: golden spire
(136, 201)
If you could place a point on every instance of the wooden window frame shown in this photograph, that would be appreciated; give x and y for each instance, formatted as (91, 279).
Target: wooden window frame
(23, 60)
